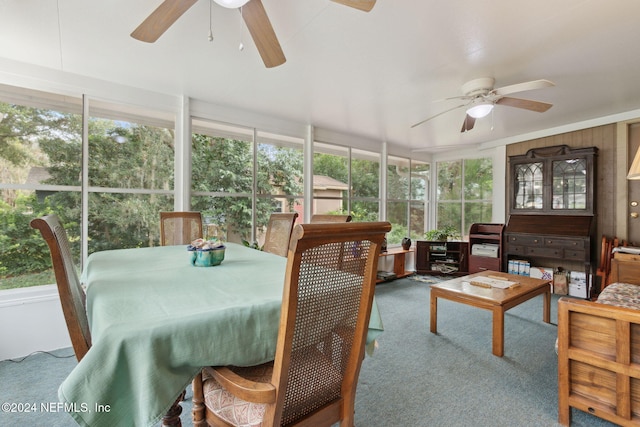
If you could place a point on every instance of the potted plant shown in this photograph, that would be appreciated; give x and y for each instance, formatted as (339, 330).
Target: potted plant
(448, 232)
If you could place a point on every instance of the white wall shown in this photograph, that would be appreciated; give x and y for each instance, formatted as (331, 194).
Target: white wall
(31, 320)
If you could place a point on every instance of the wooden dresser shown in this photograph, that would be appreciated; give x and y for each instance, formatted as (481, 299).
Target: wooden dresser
(557, 237)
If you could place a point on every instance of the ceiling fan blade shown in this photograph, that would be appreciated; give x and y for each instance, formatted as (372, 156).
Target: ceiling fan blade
(521, 87)
(526, 104)
(262, 33)
(161, 19)
(364, 5)
(439, 114)
(468, 123)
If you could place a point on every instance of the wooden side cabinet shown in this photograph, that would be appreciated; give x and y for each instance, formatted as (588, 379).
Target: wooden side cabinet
(399, 263)
(484, 239)
(436, 258)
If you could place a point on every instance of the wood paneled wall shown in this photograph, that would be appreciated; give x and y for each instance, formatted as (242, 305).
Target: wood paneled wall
(603, 137)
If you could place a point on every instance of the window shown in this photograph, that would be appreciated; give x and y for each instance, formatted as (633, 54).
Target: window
(279, 178)
(407, 184)
(130, 171)
(346, 181)
(330, 179)
(237, 177)
(464, 191)
(223, 178)
(365, 184)
(40, 152)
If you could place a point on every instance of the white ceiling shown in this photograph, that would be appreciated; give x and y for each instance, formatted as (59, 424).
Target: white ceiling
(366, 74)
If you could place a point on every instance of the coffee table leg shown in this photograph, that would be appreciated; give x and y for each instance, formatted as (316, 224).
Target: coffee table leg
(546, 309)
(498, 332)
(434, 314)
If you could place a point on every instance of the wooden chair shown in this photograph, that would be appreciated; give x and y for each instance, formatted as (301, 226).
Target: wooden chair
(279, 233)
(603, 269)
(606, 255)
(180, 228)
(319, 218)
(323, 327)
(72, 296)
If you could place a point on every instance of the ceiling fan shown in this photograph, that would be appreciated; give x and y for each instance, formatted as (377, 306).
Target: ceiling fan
(253, 13)
(481, 97)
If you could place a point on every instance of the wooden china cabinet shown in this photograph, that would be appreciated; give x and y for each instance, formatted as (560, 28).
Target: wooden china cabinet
(552, 206)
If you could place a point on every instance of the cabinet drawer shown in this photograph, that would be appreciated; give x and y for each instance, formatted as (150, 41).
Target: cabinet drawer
(545, 252)
(564, 243)
(571, 254)
(482, 263)
(524, 240)
(516, 249)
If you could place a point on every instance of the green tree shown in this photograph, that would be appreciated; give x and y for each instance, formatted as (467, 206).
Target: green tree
(225, 165)
(23, 132)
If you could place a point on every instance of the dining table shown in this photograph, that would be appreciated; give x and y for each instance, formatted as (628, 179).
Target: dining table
(156, 320)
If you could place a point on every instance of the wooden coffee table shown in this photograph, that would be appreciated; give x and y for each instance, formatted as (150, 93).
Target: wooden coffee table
(497, 300)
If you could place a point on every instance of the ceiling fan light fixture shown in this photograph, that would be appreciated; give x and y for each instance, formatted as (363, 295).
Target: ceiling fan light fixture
(231, 4)
(479, 111)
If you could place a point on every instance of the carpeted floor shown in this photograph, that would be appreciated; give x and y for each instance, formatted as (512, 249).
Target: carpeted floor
(414, 378)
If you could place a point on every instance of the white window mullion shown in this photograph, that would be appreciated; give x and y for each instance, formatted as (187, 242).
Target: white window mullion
(84, 182)
(182, 161)
(382, 184)
(307, 174)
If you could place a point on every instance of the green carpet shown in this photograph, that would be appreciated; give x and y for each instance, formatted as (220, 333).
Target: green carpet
(414, 378)
(429, 279)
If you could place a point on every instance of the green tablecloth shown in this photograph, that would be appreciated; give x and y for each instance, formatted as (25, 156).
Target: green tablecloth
(156, 320)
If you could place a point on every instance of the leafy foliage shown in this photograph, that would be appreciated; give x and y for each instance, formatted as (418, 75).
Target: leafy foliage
(442, 234)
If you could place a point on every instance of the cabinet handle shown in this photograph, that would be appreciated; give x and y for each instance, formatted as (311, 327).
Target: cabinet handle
(535, 241)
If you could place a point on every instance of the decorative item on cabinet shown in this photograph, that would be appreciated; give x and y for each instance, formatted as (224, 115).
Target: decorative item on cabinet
(406, 243)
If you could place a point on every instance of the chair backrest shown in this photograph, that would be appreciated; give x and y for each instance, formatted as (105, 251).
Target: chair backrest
(180, 228)
(279, 233)
(329, 287)
(72, 296)
(318, 218)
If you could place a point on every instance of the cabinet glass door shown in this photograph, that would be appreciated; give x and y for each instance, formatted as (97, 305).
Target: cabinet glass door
(528, 183)
(569, 184)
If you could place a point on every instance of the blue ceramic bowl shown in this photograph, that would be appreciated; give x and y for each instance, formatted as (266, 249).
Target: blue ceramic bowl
(206, 257)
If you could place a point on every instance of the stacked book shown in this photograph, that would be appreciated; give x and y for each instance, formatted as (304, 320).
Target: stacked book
(519, 266)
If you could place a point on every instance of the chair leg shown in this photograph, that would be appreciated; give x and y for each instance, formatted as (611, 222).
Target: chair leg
(172, 417)
(197, 411)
